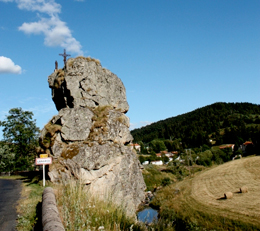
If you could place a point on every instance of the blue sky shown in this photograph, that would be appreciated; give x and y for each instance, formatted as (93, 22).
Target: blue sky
(173, 56)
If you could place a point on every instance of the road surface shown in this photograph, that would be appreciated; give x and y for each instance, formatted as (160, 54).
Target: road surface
(9, 195)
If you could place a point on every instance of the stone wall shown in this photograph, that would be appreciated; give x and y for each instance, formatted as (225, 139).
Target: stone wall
(50, 215)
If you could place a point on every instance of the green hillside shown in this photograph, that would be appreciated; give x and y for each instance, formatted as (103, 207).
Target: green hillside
(216, 124)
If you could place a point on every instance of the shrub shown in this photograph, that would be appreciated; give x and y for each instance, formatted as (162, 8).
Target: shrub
(205, 158)
(166, 181)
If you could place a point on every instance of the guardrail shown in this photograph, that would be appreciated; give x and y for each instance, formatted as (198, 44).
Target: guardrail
(50, 215)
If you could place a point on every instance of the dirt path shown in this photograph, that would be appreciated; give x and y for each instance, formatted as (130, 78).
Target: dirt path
(9, 195)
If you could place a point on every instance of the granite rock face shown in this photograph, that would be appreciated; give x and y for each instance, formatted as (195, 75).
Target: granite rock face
(96, 86)
(88, 139)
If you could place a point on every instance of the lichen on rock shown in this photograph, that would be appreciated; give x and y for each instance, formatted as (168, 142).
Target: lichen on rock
(88, 138)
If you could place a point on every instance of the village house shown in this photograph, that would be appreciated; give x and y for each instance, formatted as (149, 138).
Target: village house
(228, 146)
(244, 146)
(157, 162)
(145, 162)
(168, 154)
(136, 147)
(174, 152)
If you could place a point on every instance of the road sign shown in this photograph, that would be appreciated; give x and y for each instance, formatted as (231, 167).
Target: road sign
(43, 155)
(43, 161)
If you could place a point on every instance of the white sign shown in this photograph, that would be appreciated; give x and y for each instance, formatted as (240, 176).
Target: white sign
(43, 161)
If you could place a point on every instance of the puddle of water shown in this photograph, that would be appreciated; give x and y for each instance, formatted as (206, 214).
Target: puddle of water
(148, 215)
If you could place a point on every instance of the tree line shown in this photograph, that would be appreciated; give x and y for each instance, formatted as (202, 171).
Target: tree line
(216, 124)
(19, 142)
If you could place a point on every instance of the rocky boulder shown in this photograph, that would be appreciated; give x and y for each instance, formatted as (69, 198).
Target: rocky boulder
(88, 139)
(87, 84)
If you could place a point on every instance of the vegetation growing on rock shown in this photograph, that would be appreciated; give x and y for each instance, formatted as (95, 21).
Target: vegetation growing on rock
(59, 78)
(70, 150)
(46, 141)
(70, 62)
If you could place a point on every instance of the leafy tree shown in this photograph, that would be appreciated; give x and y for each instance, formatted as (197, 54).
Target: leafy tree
(157, 145)
(238, 152)
(205, 147)
(165, 158)
(169, 145)
(218, 155)
(21, 135)
(205, 158)
(228, 154)
(143, 149)
(6, 158)
(152, 156)
(141, 159)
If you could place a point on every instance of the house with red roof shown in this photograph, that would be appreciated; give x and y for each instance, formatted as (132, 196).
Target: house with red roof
(245, 145)
(136, 147)
(227, 146)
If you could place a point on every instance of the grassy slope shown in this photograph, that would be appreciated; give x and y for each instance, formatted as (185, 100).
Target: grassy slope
(200, 199)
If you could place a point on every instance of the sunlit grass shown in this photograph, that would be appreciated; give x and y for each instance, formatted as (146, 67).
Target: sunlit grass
(81, 211)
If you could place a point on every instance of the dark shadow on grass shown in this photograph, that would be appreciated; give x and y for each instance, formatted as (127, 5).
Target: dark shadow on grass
(38, 225)
(238, 192)
(31, 177)
(224, 198)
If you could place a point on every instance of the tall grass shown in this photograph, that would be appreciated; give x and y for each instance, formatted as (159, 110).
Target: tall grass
(81, 211)
(154, 177)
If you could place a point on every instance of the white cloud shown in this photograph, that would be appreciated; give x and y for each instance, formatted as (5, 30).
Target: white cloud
(44, 6)
(56, 32)
(8, 66)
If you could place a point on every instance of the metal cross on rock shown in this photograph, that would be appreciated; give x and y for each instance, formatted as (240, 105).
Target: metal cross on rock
(64, 56)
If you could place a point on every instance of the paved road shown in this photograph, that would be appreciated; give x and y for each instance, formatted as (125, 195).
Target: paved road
(9, 195)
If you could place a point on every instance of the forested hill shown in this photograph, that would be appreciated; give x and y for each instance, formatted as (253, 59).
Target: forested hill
(221, 122)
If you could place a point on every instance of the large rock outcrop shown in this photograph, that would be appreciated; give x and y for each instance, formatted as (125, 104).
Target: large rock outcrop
(89, 138)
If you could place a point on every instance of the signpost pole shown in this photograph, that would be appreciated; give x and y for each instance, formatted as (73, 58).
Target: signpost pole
(43, 172)
(43, 160)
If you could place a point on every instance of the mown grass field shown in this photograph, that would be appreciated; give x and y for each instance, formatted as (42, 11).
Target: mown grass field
(199, 200)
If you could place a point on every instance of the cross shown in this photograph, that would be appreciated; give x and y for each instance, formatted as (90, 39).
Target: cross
(64, 56)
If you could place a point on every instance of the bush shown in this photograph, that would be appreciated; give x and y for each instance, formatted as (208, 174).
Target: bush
(205, 158)
(157, 146)
(166, 181)
(218, 154)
